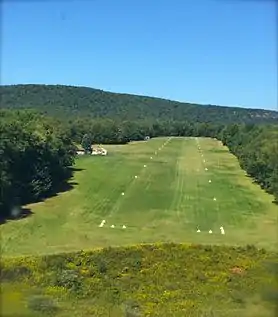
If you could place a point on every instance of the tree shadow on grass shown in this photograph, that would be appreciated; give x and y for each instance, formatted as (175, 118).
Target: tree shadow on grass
(23, 212)
(262, 186)
(65, 185)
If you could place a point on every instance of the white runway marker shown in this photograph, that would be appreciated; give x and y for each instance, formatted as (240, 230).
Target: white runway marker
(210, 231)
(102, 224)
(206, 169)
(209, 181)
(145, 165)
(204, 161)
(151, 157)
(124, 227)
(136, 176)
(222, 230)
(112, 226)
(198, 230)
(214, 199)
(123, 194)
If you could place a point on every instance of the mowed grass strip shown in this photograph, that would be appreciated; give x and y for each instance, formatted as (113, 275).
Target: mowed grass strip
(249, 211)
(169, 200)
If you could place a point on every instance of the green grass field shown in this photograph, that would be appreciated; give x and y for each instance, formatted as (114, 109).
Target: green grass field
(169, 200)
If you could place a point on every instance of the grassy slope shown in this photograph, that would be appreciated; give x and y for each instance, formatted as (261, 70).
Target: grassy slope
(162, 280)
(170, 198)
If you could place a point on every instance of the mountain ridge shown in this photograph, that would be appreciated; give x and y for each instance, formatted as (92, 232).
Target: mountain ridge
(68, 101)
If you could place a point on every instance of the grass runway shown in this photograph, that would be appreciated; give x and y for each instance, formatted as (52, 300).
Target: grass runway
(171, 198)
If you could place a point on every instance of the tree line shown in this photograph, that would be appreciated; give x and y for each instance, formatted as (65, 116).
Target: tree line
(38, 151)
(35, 153)
(256, 148)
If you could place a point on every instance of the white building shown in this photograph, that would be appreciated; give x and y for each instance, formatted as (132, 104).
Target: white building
(99, 151)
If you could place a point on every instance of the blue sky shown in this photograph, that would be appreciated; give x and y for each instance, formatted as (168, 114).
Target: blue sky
(205, 51)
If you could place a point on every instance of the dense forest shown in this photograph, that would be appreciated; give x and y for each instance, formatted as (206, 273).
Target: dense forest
(67, 101)
(35, 154)
(37, 150)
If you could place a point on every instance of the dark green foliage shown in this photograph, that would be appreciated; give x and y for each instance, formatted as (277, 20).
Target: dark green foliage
(102, 267)
(36, 152)
(68, 101)
(257, 150)
(86, 143)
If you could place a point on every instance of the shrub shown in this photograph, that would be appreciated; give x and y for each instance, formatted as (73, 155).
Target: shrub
(169, 280)
(14, 273)
(69, 279)
(43, 304)
(102, 267)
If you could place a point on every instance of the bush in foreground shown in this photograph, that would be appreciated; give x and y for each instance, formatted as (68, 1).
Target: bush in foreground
(153, 280)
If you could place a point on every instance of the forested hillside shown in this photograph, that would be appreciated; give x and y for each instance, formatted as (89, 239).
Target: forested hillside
(69, 101)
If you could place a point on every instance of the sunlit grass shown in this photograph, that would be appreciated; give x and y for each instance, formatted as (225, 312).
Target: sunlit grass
(161, 280)
(169, 200)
